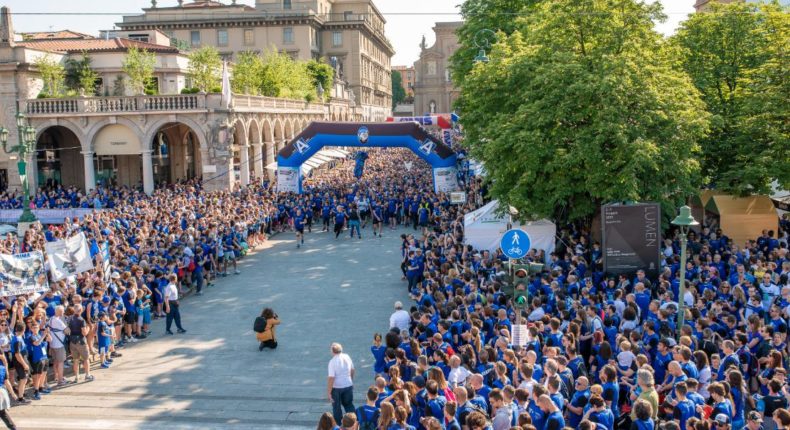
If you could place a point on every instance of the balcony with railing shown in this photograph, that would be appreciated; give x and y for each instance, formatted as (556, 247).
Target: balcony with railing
(114, 105)
(179, 103)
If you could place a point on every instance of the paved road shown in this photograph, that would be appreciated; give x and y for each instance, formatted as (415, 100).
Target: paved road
(214, 376)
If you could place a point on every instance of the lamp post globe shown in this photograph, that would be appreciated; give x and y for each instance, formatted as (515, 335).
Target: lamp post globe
(26, 136)
(685, 221)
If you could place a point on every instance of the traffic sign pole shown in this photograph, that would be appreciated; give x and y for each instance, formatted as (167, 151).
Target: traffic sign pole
(515, 244)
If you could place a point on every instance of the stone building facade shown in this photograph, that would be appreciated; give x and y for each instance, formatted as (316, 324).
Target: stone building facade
(434, 91)
(349, 34)
(142, 140)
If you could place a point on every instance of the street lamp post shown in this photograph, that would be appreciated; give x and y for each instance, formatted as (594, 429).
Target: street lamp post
(482, 40)
(26, 146)
(684, 220)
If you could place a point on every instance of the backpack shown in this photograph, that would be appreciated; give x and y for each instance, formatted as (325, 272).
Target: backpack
(260, 325)
(363, 423)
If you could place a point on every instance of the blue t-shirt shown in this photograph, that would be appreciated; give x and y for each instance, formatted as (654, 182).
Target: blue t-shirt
(38, 352)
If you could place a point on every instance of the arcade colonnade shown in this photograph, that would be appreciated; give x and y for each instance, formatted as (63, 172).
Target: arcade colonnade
(151, 148)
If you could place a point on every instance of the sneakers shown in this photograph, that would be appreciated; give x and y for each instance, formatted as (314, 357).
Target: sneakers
(36, 396)
(62, 383)
(168, 332)
(131, 339)
(45, 391)
(236, 272)
(297, 246)
(199, 293)
(105, 365)
(23, 400)
(88, 378)
(181, 330)
(115, 354)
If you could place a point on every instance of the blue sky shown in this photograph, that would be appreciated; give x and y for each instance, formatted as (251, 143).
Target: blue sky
(404, 31)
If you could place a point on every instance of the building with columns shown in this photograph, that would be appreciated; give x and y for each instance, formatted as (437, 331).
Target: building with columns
(349, 34)
(434, 91)
(704, 5)
(116, 137)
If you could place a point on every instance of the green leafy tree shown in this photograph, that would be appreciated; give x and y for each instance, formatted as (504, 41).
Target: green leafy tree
(284, 77)
(53, 74)
(205, 68)
(80, 76)
(737, 58)
(139, 68)
(321, 73)
(581, 106)
(398, 92)
(247, 71)
(495, 15)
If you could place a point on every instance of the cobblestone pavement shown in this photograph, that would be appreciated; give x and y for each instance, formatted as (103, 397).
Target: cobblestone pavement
(214, 377)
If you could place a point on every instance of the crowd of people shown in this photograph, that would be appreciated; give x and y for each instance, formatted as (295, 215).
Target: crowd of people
(601, 352)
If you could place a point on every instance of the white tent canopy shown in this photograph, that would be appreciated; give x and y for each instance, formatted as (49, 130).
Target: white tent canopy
(321, 157)
(484, 228)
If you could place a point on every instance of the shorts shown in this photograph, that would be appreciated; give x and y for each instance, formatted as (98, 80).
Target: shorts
(79, 352)
(58, 355)
(21, 373)
(38, 367)
(104, 349)
(230, 255)
(130, 317)
(300, 230)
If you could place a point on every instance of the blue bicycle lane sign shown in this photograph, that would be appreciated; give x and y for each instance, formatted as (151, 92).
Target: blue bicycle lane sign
(515, 243)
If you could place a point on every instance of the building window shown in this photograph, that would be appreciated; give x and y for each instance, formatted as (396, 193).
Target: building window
(222, 37)
(194, 38)
(348, 15)
(288, 35)
(287, 4)
(337, 38)
(249, 37)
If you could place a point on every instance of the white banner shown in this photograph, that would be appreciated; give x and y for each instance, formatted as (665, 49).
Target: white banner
(46, 216)
(445, 179)
(69, 257)
(22, 274)
(519, 335)
(288, 180)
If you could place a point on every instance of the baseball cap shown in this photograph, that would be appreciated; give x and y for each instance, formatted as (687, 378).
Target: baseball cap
(755, 416)
(419, 381)
(722, 419)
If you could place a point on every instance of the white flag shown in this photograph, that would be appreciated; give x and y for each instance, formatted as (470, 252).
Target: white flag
(407, 165)
(226, 95)
(68, 257)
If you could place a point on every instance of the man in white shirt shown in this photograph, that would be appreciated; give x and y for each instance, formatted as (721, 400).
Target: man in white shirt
(458, 373)
(171, 305)
(400, 318)
(340, 383)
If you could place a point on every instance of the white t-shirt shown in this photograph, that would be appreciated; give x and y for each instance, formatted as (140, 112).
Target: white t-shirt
(57, 326)
(400, 319)
(171, 292)
(458, 375)
(340, 367)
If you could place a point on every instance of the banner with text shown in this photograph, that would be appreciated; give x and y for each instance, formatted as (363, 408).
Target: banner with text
(445, 179)
(22, 274)
(69, 257)
(631, 238)
(289, 180)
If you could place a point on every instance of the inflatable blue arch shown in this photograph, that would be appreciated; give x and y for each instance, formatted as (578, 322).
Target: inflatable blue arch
(317, 135)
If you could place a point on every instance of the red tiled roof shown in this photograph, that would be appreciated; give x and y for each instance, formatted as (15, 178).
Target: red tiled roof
(94, 45)
(60, 34)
